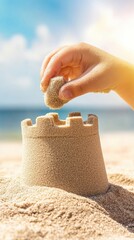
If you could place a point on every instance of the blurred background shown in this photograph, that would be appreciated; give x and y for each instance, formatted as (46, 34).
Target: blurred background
(30, 29)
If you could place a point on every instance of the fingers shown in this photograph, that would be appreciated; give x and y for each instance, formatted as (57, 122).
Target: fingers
(49, 73)
(91, 81)
(47, 59)
(54, 64)
(50, 68)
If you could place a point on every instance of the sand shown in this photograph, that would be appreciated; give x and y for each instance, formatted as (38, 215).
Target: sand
(51, 97)
(50, 213)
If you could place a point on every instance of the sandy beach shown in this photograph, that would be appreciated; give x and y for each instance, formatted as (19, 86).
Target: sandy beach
(49, 213)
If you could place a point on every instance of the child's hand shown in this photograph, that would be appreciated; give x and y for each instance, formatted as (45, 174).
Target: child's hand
(86, 69)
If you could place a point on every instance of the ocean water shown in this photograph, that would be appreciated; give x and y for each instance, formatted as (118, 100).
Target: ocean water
(110, 120)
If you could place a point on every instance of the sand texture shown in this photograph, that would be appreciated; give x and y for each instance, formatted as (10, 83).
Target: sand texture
(50, 213)
(51, 98)
(64, 153)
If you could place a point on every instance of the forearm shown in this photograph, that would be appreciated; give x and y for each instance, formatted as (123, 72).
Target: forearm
(126, 87)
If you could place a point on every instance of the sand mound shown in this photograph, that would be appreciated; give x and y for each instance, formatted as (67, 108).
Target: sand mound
(50, 213)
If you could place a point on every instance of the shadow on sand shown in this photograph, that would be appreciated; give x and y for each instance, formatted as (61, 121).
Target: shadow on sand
(119, 204)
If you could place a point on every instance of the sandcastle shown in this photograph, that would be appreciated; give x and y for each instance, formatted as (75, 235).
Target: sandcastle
(64, 154)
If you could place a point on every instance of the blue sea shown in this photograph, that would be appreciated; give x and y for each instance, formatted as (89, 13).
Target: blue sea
(110, 120)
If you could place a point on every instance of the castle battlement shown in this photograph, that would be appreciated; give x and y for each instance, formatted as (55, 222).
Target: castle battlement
(50, 125)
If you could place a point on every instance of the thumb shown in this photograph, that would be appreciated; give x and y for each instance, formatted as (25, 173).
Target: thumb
(74, 89)
(93, 80)
(82, 85)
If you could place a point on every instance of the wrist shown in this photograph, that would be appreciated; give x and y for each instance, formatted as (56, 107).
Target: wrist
(125, 87)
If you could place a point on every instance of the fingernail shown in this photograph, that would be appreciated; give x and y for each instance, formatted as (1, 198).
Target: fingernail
(66, 94)
(42, 81)
(42, 87)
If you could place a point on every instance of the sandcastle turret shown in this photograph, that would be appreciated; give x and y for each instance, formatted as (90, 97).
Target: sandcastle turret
(64, 154)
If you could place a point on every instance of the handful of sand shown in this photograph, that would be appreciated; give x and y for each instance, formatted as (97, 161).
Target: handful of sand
(52, 99)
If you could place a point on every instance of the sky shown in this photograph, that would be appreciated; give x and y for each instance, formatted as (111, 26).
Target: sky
(31, 29)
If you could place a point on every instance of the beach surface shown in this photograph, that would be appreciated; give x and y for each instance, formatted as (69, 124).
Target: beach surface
(49, 213)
